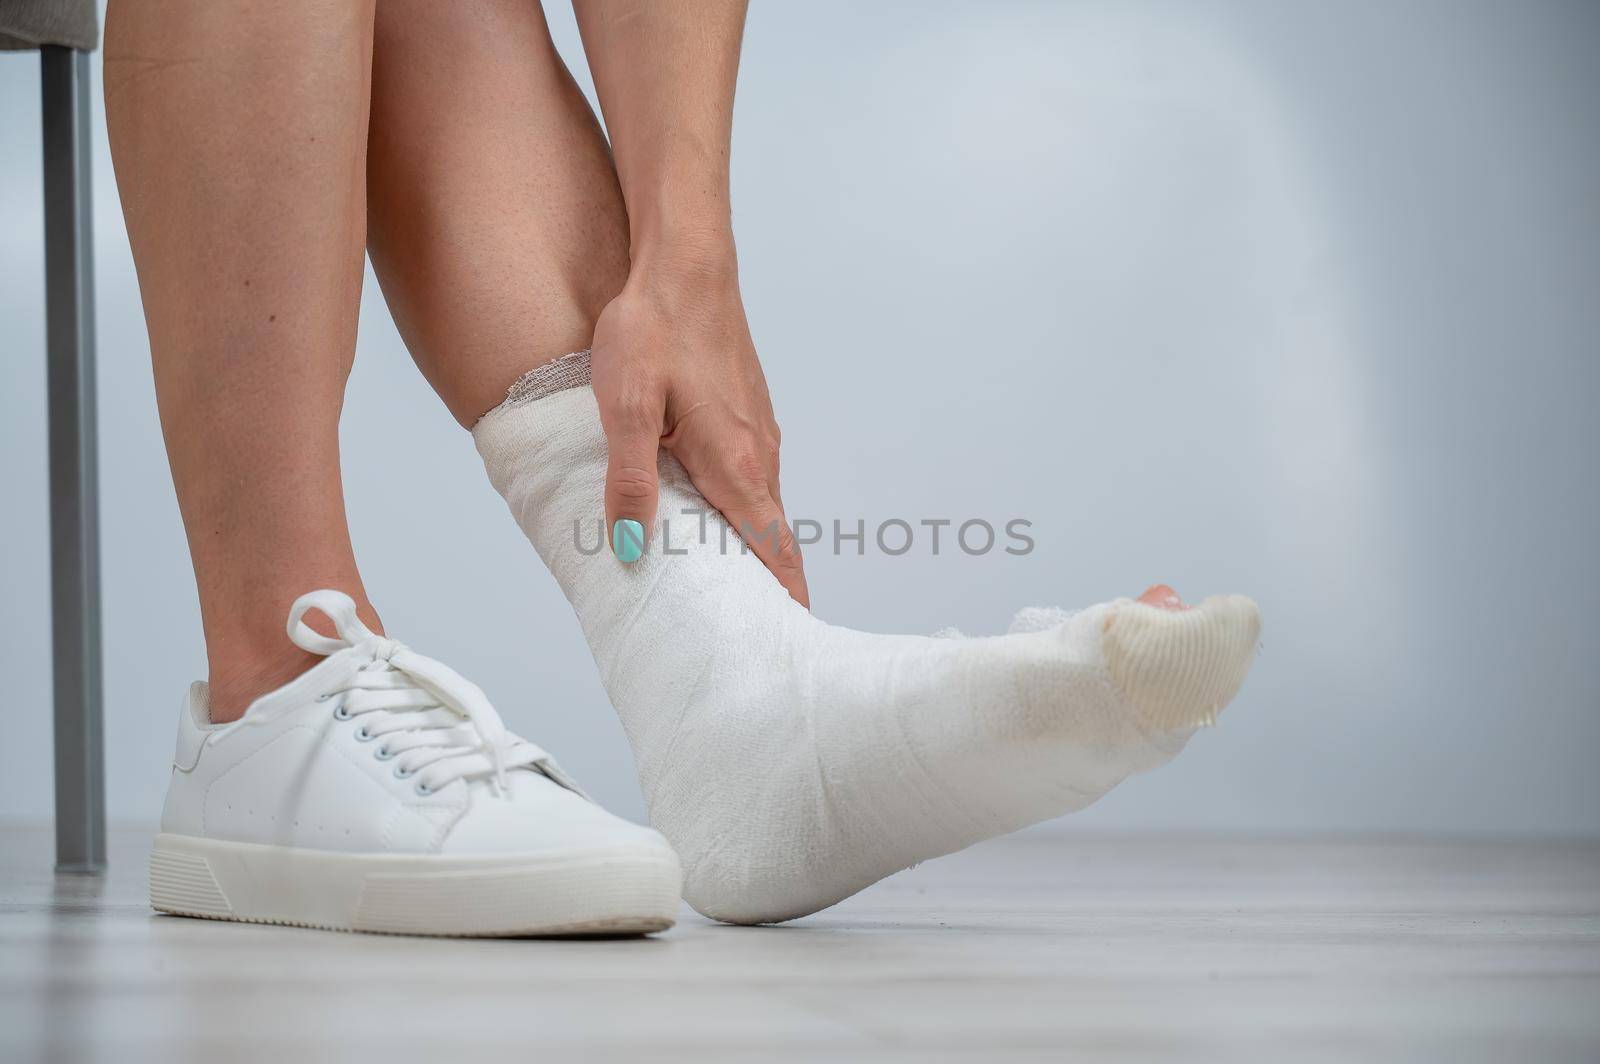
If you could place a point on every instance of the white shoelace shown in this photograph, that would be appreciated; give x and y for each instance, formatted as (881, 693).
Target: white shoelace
(434, 723)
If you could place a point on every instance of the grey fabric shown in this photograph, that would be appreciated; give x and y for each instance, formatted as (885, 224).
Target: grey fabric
(27, 24)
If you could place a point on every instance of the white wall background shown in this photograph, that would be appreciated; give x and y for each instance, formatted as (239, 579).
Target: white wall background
(1296, 299)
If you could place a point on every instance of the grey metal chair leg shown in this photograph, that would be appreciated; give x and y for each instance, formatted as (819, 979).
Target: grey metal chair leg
(74, 485)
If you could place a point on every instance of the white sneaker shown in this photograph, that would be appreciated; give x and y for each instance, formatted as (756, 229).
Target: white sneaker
(381, 792)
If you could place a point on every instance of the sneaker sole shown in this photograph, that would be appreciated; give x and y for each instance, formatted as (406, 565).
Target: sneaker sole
(622, 890)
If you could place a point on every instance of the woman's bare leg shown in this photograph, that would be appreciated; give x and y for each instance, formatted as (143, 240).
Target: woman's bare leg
(239, 132)
(497, 227)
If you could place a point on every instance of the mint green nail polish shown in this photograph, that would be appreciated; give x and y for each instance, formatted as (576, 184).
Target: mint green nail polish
(627, 540)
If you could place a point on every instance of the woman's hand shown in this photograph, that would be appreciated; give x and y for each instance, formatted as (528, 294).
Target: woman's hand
(673, 366)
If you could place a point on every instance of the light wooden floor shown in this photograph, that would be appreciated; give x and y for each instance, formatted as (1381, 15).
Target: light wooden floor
(1042, 946)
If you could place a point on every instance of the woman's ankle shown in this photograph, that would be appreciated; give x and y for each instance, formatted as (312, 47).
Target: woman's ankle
(244, 664)
(236, 683)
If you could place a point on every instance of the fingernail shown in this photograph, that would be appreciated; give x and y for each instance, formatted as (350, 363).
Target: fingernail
(627, 540)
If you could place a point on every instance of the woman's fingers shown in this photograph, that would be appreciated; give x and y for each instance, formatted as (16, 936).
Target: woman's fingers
(633, 437)
(683, 375)
(762, 524)
(733, 462)
(738, 478)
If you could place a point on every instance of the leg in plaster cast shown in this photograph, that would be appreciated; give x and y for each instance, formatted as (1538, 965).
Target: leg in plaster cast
(791, 762)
